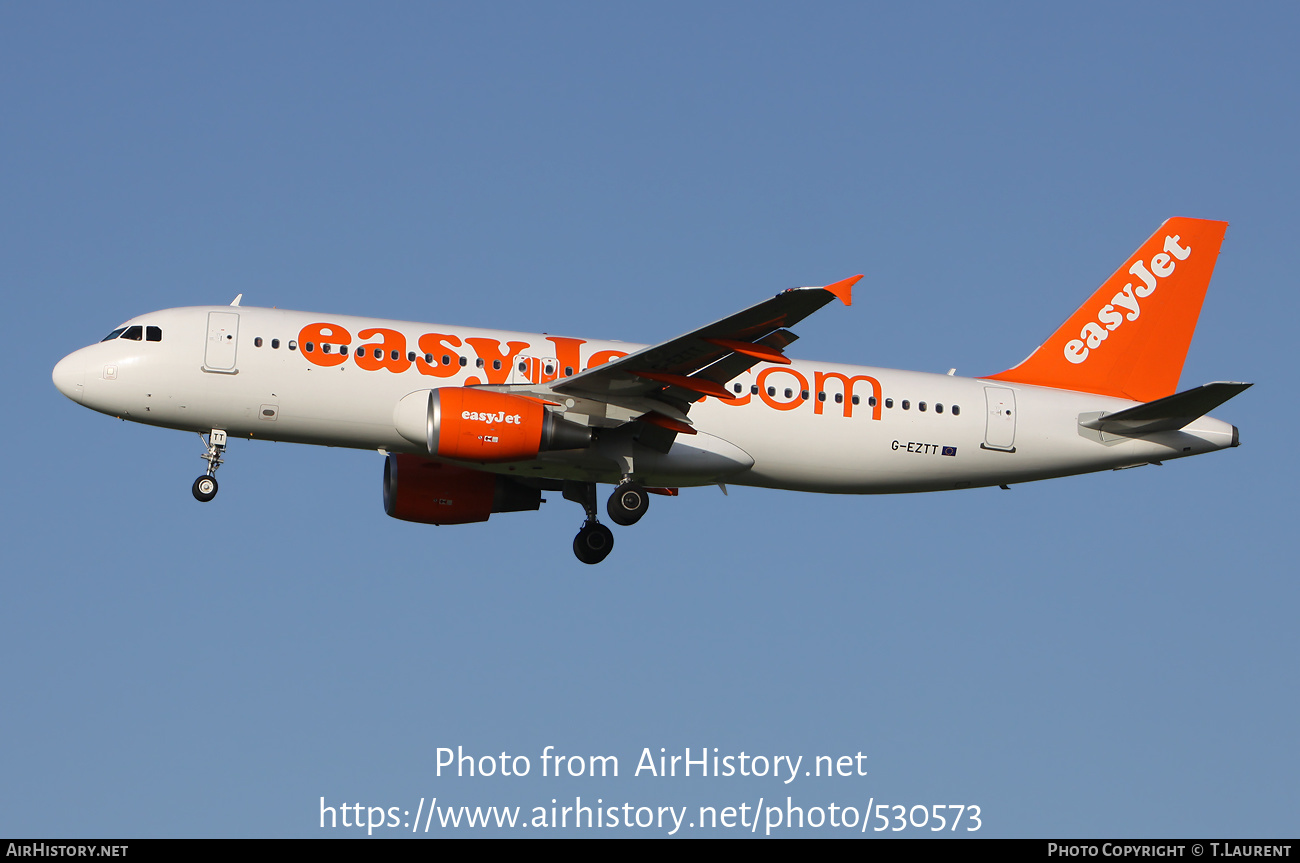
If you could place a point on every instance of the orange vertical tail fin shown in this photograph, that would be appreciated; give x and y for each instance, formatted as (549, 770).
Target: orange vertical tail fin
(1130, 338)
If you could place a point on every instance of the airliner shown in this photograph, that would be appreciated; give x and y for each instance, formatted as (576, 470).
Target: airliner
(473, 422)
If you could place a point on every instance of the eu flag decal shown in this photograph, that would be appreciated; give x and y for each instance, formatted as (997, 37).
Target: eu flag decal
(949, 450)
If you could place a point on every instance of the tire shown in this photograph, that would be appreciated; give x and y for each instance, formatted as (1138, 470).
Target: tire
(627, 504)
(204, 488)
(593, 543)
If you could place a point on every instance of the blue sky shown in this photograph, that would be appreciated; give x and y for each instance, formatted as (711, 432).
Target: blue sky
(1110, 655)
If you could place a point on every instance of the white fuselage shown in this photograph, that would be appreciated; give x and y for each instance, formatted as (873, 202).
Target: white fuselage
(793, 426)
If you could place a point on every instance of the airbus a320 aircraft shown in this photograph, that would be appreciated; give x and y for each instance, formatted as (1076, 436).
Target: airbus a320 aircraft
(474, 422)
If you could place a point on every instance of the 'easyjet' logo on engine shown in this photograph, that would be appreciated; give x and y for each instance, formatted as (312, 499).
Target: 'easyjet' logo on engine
(1124, 305)
(499, 417)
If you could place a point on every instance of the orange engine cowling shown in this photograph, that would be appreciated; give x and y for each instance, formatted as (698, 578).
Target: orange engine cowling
(481, 425)
(430, 492)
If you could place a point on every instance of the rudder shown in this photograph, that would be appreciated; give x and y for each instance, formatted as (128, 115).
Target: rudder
(1131, 337)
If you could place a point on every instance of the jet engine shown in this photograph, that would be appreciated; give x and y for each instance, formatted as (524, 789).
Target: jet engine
(484, 426)
(430, 492)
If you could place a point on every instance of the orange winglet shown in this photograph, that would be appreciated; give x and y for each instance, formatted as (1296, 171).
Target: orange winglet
(749, 349)
(668, 423)
(843, 290)
(697, 385)
(670, 492)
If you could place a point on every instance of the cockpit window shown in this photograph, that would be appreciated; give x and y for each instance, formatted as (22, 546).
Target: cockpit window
(153, 334)
(134, 333)
(117, 332)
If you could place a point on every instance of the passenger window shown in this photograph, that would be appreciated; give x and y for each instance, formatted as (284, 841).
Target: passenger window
(549, 370)
(153, 334)
(117, 332)
(803, 394)
(568, 371)
(938, 407)
(496, 365)
(736, 388)
(463, 362)
(134, 333)
(428, 358)
(889, 403)
(257, 342)
(326, 348)
(293, 344)
(343, 349)
(753, 389)
(523, 367)
(839, 399)
(771, 391)
(478, 363)
(821, 397)
(955, 410)
(275, 344)
(789, 393)
(906, 404)
(410, 357)
(920, 406)
(308, 347)
(394, 355)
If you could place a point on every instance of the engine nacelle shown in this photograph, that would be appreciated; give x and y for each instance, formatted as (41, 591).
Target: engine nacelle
(484, 426)
(416, 489)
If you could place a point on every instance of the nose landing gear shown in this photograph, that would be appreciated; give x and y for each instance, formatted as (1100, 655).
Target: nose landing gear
(205, 487)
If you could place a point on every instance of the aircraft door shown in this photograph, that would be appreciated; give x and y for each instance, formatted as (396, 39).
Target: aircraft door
(1000, 431)
(533, 370)
(519, 372)
(223, 338)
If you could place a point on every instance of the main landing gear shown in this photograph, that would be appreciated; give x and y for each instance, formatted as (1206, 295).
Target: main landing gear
(205, 487)
(626, 505)
(594, 541)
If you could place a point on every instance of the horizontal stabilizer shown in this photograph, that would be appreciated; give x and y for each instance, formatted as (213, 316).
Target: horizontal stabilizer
(1169, 413)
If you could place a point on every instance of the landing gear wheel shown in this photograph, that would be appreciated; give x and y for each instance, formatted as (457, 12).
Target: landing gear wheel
(204, 488)
(593, 543)
(627, 504)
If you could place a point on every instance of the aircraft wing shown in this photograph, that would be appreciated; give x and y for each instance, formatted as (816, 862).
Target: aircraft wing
(679, 371)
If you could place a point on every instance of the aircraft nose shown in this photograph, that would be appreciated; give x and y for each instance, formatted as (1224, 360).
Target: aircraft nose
(70, 376)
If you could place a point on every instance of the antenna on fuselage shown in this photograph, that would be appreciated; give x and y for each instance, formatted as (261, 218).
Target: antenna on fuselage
(236, 300)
